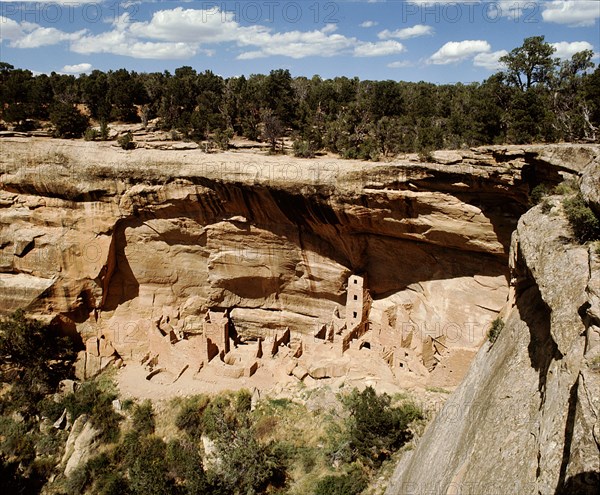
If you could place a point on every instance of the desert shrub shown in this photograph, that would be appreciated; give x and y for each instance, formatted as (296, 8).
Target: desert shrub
(91, 134)
(96, 469)
(15, 443)
(495, 329)
(148, 469)
(375, 428)
(426, 156)
(583, 221)
(185, 465)
(352, 483)
(246, 465)
(126, 141)
(112, 484)
(303, 149)
(243, 401)
(538, 193)
(143, 418)
(568, 186)
(222, 138)
(33, 359)
(77, 481)
(68, 121)
(189, 418)
(104, 131)
(338, 446)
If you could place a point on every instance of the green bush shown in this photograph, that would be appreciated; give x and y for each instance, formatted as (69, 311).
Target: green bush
(189, 418)
(222, 138)
(91, 134)
(68, 121)
(126, 141)
(303, 149)
(583, 221)
(143, 418)
(15, 443)
(538, 193)
(104, 131)
(33, 360)
(186, 466)
(568, 186)
(495, 329)
(148, 470)
(346, 484)
(376, 429)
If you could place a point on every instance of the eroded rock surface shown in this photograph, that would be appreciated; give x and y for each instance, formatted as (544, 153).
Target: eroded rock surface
(525, 419)
(110, 242)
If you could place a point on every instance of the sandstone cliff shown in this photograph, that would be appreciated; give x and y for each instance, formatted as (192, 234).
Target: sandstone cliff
(526, 418)
(109, 242)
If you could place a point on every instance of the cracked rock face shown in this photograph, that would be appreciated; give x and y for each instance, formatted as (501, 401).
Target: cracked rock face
(109, 242)
(525, 419)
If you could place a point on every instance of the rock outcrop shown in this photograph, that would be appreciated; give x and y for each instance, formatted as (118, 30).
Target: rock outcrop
(81, 444)
(109, 242)
(526, 418)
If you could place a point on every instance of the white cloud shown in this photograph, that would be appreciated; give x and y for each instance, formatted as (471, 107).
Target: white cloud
(406, 33)
(489, 61)
(456, 51)
(42, 36)
(400, 64)
(296, 44)
(571, 12)
(30, 35)
(193, 26)
(565, 50)
(77, 68)
(10, 29)
(368, 24)
(378, 49)
(182, 33)
(120, 43)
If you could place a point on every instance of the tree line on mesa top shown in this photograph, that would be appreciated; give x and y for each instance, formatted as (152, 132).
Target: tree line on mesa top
(536, 98)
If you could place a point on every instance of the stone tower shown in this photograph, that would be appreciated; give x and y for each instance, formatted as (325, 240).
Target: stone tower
(357, 302)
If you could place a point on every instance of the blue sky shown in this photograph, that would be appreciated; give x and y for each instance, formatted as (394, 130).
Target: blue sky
(438, 41)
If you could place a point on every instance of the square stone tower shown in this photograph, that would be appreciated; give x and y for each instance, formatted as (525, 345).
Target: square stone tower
(357, 302)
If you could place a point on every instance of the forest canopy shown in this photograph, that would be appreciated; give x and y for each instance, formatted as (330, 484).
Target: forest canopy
(536, 98)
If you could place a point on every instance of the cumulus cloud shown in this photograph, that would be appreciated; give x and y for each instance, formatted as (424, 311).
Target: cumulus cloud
(457, 51)
(489, 61)
(193, 26)
(572, 13)
(77, 68)
(296, 44)
(42, 36)
(181, 33)
(31, 35)
(406, 33)
(565, 50)
(10, 29)
(368, 24)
